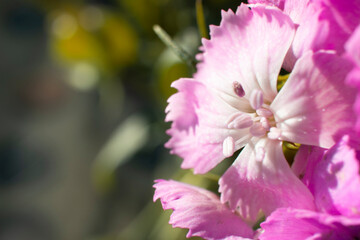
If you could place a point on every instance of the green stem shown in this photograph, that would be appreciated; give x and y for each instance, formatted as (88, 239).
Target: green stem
(201, 20)
(181, 53)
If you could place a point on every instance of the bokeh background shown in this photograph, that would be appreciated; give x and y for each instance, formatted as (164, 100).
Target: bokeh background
(83, 91)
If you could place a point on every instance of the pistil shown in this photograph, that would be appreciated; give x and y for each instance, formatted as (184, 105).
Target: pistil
(238, 89)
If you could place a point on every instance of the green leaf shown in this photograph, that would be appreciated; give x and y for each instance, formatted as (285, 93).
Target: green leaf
(127, 139)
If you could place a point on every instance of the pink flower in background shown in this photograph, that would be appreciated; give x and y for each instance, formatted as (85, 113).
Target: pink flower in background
(322, 24)
(200, 211)
(232, 101)
(333, 178)
(294, 8)
(299, 224)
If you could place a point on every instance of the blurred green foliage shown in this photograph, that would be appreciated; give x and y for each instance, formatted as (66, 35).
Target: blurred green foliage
(108, 53)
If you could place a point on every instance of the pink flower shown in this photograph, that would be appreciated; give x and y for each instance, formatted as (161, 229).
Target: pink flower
(323, 24)
(333, 178)
(331, 175)
(232, 101)
(201, 212)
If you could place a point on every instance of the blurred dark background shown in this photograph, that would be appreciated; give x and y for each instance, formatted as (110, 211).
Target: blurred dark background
(83, 91)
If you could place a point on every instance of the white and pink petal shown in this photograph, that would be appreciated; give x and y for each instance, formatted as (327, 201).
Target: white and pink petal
(245, 49)
(200, 211)
(314, 106)
(200, 126)
(261, 180)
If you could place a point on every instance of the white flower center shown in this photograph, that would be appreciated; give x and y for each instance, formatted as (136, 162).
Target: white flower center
(261, 122)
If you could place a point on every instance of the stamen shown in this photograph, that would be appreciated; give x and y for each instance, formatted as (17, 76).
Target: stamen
(265, 123)
(263, 112)
(256, 99)
(228, 146)
(275, 133)
(239, 121)
(257, 130)
(238, 89)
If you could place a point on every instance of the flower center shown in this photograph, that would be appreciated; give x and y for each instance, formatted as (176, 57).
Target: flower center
(261, 122)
